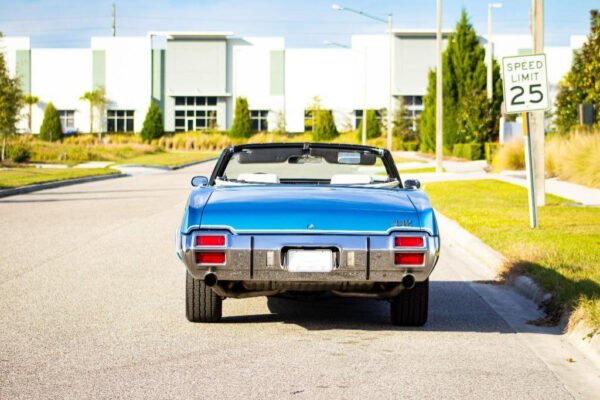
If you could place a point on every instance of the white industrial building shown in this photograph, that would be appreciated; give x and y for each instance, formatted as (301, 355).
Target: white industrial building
(195, 77)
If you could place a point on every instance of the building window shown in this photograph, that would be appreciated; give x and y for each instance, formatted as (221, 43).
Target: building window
(259, 120)
(309, 120)
(67, 120)
(414, 106)
(119, 121)
(358, 115)
(194, 113)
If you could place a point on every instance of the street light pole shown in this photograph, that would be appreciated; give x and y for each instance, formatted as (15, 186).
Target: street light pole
(439, 140)
(490, 51)
(391, 84)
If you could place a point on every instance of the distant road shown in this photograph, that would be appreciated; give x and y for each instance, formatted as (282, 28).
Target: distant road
(92, 306)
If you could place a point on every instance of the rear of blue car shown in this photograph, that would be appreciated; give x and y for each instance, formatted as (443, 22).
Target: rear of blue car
(371, 241)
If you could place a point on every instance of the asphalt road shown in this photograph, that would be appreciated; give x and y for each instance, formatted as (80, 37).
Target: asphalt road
(92, 306)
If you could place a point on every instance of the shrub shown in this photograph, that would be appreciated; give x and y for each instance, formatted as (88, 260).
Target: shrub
(324, 128)
(242, 124)
(402, 124)
(153, 125)
(373, 126)
(51, 129)
(468, 151)
(19, 154)
(409, 146)
(490, 151)
(510, 156)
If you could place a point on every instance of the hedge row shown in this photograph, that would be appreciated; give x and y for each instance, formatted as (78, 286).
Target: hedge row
(469, 151)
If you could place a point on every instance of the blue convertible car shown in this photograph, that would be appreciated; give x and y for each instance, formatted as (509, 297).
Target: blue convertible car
(300, 218)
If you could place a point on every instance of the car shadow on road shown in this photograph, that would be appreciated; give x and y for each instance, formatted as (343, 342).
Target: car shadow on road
(453, 307)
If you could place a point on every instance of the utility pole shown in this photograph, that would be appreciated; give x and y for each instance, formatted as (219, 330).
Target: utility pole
(391, 96)
(490, 51)
(439, 140)
(537, 128)
(364, 112)
(114, 20)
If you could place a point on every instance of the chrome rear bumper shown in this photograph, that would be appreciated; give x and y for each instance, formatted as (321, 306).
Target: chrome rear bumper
(260, 257)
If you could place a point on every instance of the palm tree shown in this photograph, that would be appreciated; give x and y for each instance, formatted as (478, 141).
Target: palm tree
(97, 100)
(30, 100)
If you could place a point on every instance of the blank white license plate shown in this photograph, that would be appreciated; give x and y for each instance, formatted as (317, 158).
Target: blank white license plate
(310, 260)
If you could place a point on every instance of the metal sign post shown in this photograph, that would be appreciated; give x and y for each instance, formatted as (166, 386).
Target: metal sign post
(525, 86)
(530, 167)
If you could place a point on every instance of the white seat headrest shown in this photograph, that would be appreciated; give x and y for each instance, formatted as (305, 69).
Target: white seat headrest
(258, 178)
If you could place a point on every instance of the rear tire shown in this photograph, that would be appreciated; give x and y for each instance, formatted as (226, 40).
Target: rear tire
(202, 303)
(410, 307)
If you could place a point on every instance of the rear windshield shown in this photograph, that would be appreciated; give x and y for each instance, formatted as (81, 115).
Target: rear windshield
(296, 165)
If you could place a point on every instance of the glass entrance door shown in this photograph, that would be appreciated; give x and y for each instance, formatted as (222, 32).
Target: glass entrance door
(195, 113)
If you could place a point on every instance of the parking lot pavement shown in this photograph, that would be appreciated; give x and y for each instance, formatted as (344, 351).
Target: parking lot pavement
(92, 306)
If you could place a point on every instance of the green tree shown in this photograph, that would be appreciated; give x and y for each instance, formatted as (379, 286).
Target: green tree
(427, 122)
(30, 101)
(10, 102)
(464, 74)
(153, 124)
(373, 126)
(324, 128)
(311, 114)
(51, 128)
(97, 101)
(402, 124)
(280, 124)
(581, 84)
(242, 124)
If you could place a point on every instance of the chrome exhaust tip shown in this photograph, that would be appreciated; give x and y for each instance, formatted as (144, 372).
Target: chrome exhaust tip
(210, 279)
(408, 281)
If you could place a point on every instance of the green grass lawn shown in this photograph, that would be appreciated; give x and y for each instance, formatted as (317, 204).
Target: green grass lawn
(14, 177)
(424, 170)
(400, 160)
(169, 159)
(404, 172)
(563, 255)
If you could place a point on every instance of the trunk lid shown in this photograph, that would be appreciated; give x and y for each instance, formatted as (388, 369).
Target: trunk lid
(300, 208)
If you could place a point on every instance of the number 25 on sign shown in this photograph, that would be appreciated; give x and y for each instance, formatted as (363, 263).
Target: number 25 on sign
(525, 83)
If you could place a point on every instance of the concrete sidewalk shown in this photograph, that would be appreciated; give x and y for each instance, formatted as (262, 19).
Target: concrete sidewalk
(475, 170)
(581, 194)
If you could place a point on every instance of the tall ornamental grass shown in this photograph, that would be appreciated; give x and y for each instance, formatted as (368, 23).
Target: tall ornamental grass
(575, 158)
(511, 156)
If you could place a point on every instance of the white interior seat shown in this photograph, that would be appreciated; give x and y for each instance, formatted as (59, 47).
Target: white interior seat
(258, 178)
(350, 179)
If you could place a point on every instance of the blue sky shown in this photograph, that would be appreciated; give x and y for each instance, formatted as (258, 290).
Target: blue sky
(71, 23)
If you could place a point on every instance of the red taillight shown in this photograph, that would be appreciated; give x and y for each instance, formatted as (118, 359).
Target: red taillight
(210, 240)
(213, 257)
(408, 241)
(409, 258)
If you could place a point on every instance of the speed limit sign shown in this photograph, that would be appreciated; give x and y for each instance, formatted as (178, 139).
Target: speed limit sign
(525, 83)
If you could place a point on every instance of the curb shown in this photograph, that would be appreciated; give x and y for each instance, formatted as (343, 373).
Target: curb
(494, 261)
(193, 163)
(56, 184)
(67, 182)
(457, 235)
(166, 167)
